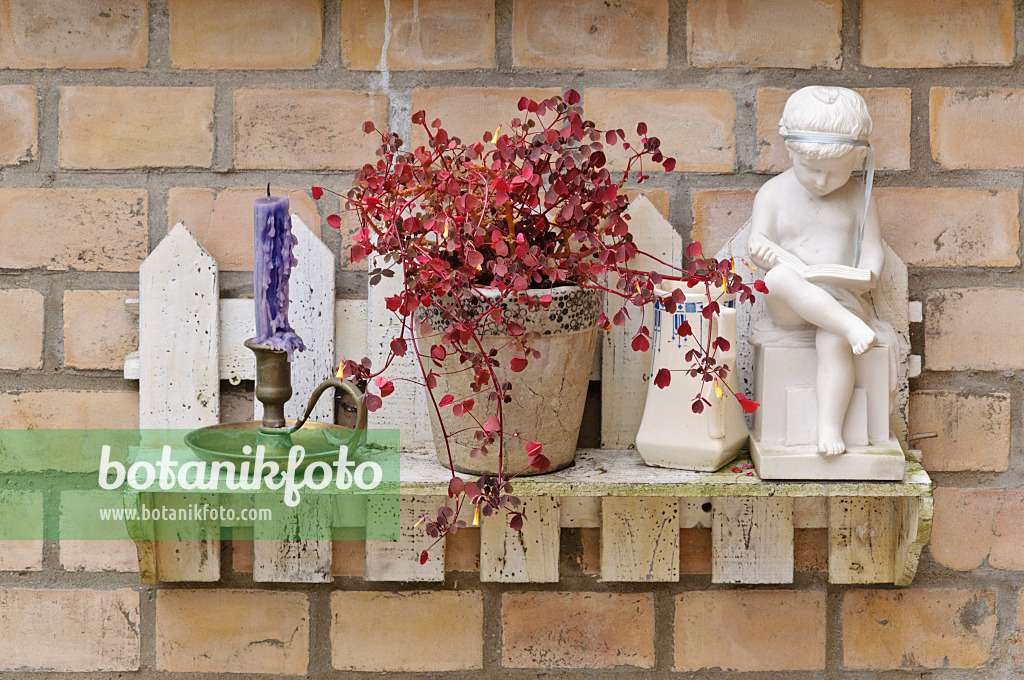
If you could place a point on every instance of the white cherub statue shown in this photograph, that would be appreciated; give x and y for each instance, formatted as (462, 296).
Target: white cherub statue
(814, 229)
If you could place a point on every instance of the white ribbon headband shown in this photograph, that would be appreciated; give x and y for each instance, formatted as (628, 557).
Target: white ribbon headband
(868, 168)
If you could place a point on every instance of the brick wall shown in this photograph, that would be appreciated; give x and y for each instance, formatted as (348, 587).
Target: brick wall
(120, 117)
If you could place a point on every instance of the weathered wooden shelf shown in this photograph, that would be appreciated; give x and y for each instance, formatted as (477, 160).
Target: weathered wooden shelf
(876, 529)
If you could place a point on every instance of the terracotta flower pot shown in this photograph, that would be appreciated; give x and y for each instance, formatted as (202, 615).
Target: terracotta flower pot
(547, 397)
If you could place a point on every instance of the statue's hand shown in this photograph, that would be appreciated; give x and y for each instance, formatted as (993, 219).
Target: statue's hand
(763, 255)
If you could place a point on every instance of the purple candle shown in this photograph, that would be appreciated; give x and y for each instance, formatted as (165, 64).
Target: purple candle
(272, 265)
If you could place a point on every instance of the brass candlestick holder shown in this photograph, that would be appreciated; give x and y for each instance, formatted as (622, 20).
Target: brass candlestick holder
(275, 433)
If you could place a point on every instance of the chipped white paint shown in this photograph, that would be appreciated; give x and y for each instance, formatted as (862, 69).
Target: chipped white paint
(400, 560)
(179, 383)
(752, 540)
(527, 556)
(624, 372)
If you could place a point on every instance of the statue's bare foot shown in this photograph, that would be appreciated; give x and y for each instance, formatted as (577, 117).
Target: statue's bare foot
(861, 339)
(830, 442)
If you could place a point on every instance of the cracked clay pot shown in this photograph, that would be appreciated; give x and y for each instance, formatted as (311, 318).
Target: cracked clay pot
(547, 397)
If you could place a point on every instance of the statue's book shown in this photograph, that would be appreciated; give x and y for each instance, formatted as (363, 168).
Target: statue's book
(830, 274)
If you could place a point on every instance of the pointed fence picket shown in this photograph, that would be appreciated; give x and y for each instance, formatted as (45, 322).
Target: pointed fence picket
(190, 340)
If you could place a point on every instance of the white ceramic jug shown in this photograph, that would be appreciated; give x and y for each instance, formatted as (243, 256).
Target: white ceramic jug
(671, 435)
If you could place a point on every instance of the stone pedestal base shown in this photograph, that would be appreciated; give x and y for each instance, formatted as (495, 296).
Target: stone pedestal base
(880, 461)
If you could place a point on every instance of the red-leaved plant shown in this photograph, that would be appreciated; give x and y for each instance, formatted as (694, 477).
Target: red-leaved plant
(533, 207)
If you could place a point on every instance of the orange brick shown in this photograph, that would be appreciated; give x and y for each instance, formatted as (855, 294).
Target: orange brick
(778, 630)
(98, 330)
(22, 308)
(1008, 540)
(306, 129)
(222, 221)
(20, 122)
(21, 551)
(973, 430)
(22, 555)
(69, 630)
(912, 34)
(76, 229)
(657, 197)
(718, 214)
(462, 551)
(951, 227)
(976, 128)
(70, 409)
(784, 34)
(577, 630)
(590, 34)
(99, 555)
(695, 126)
(469, 112)
(918, 628)
(240, 34)
(401, 631)
(974, 329)
(425, 35)
(232, 631)
(810, 550)
(109, 128)
(890, 135)
(963, 529)
(73, 34)
(695, 551)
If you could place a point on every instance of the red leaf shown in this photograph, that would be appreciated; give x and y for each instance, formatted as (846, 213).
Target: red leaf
(640, 343)
(438, 353)
(534, 448)
(385, 385)
(518, 364)
(760, 286)
(334, 221)
(423, 557)
(698, 407)
(492, 424)
(373, 402)
(669, 164)
(748, 405)
(369, 127)
(317, 192)
(694, 250)
(641, 128)
(356, 254)
(545, 301)
(539, 462)
(462, 408)
(684, 329)
(446, 400)
(455, 487)
(516, 524)
(399, 346)
(663, 378)
(572, 97)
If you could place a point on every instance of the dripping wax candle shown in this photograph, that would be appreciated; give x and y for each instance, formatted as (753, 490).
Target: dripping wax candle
(272, 265)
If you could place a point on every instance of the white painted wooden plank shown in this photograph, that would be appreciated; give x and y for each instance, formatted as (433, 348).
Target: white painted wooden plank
(639, 539)
(311, 314)
(752, 540)
(810, 513)
(237, 324)
(349, 330)
(527, 556)
(624, 372)
(862, 537)
(189, 558)
(400, 560)
(406, 408)
(915, 530)
(179, 383)
(695, 513)
(582, 512)
(292, 560)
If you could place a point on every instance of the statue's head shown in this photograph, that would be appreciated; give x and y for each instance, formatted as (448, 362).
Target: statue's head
(820, 110)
